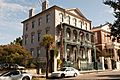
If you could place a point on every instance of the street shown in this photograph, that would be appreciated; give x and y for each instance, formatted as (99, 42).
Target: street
(95, 76)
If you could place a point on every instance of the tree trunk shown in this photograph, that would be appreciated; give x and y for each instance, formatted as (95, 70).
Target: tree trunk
(47, 57)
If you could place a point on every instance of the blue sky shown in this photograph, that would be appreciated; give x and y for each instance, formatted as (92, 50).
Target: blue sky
(13, 12)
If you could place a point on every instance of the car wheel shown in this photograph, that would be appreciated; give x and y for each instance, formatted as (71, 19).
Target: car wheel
(75, 74)
(62, 75)
(26, 78)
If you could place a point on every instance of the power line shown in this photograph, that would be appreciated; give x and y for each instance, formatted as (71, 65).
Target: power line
(40, 2)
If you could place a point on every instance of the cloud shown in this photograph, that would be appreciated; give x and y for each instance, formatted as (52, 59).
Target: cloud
(11, 15)
(12, 7)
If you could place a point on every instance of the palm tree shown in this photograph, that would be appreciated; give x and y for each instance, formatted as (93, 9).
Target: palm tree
(47, 42)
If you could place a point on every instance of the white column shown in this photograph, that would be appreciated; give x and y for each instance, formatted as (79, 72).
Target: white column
(109, 63)
(118, 65)
(89, 56)
(102, 61)
(115, 54)
(55, 64)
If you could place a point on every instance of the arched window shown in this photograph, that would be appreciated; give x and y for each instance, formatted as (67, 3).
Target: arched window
(68, 33)
(61, 17)
(74, 35)
(80, 24)
(86, 26)
(68, 19)
(87, 36)
(75, 22)
(81, 35)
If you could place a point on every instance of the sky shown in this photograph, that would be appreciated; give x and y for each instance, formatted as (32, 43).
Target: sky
(13, 12)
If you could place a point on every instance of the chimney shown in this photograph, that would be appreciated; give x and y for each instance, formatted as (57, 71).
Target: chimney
(31, 12)
(45, 5)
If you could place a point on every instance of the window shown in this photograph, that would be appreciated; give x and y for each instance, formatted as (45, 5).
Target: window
(68, 33)
(86, 26)
(75, 22)
(32, 51)
(38, 52)
(26, 27)
(26, 39)
(33, 24)
(74, 35)
(39, 35)
(81, 35)
(96, 37)
(68, 19)
(47, 18)
(32, 37)
(47, 30)
(80, 24)
(61, 17)
(39, 21)
(87, 36)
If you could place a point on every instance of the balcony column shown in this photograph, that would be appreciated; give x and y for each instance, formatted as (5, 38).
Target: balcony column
(102, 61)
(72, 34)
(77, 35)
(78, 56)
(65, 44)
(90, 37)
(85, 36)
(115, 54)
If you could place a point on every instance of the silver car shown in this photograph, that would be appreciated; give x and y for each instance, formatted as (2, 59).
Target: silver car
(65, 71)
(15, 75)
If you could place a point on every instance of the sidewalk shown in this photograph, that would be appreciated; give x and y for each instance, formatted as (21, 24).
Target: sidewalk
(92, 71)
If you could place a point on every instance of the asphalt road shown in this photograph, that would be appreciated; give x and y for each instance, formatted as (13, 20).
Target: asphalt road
(115, 74)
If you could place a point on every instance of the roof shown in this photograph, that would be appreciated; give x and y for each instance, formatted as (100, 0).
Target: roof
(100, 26)
(77, 10)
(66, 10)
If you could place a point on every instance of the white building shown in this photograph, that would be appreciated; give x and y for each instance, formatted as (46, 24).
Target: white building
(68, 25)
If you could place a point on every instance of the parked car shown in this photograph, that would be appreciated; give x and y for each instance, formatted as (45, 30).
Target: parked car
(16, 66)
(15, 75)
(65, 71)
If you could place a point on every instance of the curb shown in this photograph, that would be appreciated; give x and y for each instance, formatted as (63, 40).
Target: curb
(81, 72)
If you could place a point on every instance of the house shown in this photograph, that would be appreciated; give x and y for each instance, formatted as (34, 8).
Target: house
(71, 30)
(109, 49)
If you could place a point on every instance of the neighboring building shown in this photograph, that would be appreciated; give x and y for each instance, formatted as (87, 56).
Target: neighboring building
(71, 30)
(109, 49)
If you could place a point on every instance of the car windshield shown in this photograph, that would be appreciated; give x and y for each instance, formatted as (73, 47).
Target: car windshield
(62, 69)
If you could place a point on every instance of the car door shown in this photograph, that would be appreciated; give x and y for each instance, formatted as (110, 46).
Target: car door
(6, 76)
(68, 72)
(72, 72)
(16, 75)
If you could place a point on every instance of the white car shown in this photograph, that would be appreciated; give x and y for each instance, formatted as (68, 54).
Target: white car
(65, 71)
(15, 75)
